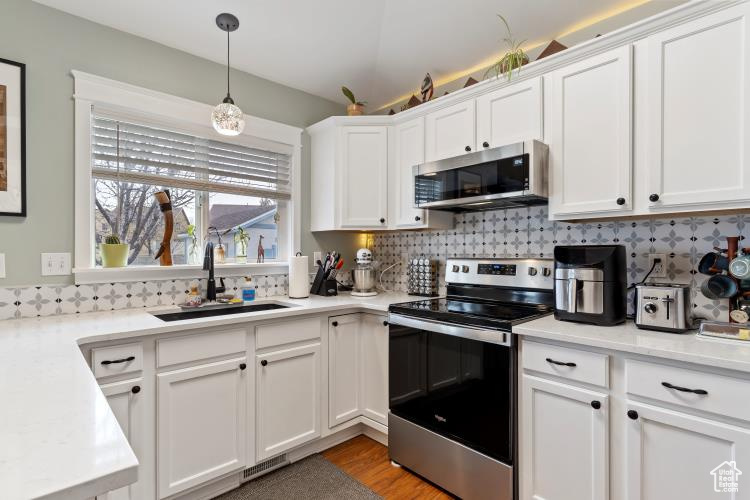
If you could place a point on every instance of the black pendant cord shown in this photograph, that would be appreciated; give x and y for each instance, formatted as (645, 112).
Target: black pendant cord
(227, 63)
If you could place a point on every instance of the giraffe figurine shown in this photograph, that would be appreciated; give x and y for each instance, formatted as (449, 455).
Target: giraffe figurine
(261, 252)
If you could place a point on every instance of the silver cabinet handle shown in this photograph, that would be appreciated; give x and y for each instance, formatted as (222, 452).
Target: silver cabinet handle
(572, 289)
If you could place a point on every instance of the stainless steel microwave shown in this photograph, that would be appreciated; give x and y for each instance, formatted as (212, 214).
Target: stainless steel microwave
(502, 177)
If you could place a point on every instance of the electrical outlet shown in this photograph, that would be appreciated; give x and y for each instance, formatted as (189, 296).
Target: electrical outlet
(55, 264)
(2, 265)
(660, 269)
(317, 256)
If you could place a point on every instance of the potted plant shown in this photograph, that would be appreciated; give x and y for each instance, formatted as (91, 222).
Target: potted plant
(514, 58)
(241, 239)
(193, 257)
(114, 253)
(356, 107)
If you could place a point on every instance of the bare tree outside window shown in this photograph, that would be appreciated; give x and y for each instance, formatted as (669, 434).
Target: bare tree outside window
(131, 213)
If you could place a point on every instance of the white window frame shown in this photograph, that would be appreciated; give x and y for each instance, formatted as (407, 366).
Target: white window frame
(160, 109)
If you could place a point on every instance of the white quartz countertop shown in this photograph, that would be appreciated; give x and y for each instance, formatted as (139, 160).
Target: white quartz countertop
(58, 436)
(688, 347)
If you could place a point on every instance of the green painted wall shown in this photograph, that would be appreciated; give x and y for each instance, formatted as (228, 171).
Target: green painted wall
(56, 43)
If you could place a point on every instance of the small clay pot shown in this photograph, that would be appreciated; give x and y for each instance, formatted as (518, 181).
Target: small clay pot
(355, 110)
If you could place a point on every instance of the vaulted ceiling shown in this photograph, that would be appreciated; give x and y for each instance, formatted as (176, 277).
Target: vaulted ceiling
(381, 49)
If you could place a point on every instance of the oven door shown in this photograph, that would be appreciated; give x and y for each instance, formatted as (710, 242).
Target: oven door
(455, 381)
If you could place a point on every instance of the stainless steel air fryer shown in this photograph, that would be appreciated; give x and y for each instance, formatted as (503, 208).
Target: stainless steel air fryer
(591, 284)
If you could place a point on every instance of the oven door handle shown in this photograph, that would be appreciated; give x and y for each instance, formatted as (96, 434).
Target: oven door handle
(466, 332)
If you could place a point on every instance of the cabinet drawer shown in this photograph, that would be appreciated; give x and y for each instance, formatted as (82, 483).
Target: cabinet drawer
(571, 364)
(117, 359)
(723, 395)
(198, 347)
(287, 332)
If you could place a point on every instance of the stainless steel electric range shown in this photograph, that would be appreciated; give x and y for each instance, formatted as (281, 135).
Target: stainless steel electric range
(452, 374)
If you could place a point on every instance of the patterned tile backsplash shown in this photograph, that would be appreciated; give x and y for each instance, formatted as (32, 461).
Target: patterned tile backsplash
(50, 300)
(527, 232)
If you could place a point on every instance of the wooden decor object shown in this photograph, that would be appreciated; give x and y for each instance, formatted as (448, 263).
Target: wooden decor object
(427, 88)
(261, 252)
(553, 48)
(165, 249)
(471, 81)
(413, 101)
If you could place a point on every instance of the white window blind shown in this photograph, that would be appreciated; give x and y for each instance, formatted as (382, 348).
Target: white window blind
(137, 153)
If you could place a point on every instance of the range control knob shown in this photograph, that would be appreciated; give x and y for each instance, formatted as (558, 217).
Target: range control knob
(455, 269)
(650, 307)
(532, 271)
(464, 269)
(546, 271)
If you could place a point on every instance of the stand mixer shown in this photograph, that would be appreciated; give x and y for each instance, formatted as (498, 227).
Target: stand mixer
(363, 275)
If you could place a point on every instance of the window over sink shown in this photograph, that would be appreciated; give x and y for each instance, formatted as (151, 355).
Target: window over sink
(235, 192)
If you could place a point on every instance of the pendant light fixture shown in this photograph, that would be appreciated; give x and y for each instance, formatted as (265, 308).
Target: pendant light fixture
(227, 118)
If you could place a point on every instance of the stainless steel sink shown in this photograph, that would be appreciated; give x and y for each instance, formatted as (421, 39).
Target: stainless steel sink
(218, 311)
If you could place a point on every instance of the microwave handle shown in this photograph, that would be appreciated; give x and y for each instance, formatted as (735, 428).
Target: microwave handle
(572, 288)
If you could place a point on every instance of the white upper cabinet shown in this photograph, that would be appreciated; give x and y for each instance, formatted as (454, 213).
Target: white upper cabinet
(450, 131)
(408, 151)
(699, 114)
(363, 177)
(510, 114)
(589, 112)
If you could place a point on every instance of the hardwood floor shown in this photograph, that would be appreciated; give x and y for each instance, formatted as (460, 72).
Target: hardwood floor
(367, 461)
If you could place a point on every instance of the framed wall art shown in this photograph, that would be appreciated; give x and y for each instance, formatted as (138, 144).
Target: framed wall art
(12, 138)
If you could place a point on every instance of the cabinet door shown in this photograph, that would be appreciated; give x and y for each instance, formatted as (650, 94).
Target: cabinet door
(674, 455)
(201, 424)
(699, 122)
(409, 151)
(124, 399)
(564, 442)
(363, 177)
(288, 399)
(510, 114)
(590, 137)
(449, 131)
(374, 362)
(343, 368)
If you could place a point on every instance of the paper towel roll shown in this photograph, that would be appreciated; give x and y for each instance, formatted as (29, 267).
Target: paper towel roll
(299, 277)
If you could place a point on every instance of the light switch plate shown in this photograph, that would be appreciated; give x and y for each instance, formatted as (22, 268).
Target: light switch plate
(55, 264)
(2, 265)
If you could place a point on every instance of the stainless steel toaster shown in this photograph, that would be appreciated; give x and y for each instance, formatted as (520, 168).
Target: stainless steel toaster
(663, 306)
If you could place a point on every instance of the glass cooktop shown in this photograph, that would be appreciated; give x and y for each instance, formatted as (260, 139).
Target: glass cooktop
(496, 315)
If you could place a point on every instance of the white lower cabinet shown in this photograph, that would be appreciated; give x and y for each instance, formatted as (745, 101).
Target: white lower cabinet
(671, 454)
(357, 368)
(125, 401)
(201, 424)
(565, 434)
(344, 341)
(287, 399)
(670, 429)
(374, 361)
